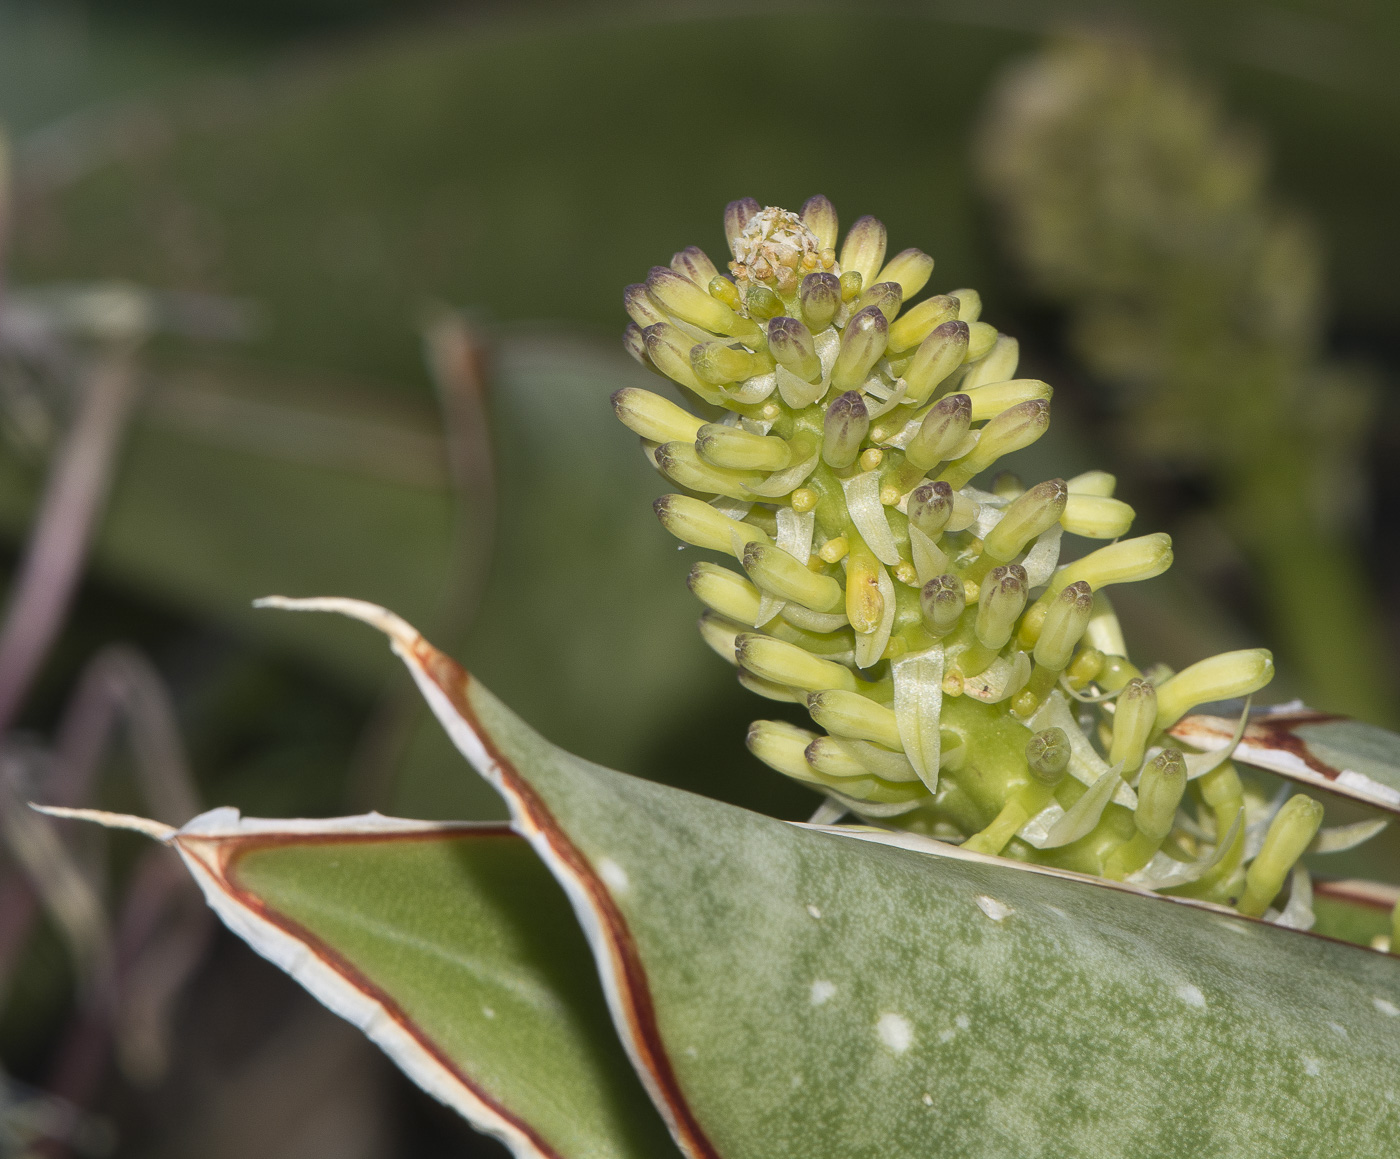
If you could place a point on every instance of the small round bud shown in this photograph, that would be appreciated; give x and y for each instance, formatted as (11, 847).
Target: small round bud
(1047, 755)
(941, 602)
(850, 285)
(763, 303)
(820, 296)
(930, 506)
(722, 289)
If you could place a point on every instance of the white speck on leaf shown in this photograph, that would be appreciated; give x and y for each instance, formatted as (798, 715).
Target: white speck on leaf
(996, 910)
(1191, 996)
(691, 1052)
(927, 1099)
(895, 1032)
(1336, 1028)
(1056, 910)
(796, 1081)
(486, 1010)
(1310, 1066)
(962, 1022)
(947, 1035)
(822, 991)
(1387, 1008)
(816, 913)
(613, 875)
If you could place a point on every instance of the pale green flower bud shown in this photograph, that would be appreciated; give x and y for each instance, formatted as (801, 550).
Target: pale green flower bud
(738, 214)
(862, 345)
(1134, 722)
(781, 746)
(997, 366)
(636, 346)
(685, 300)
(697, 523)
(819, 215)
(1159, 793)
(1097, 517)
(938, 355)
(681, 463)
(693, 263)
(762, 304)
(741, 450)
(723, 591)
(1065, 620)
(850, 714)
(788, 664)
(969, 305)
(721, 362)
(721, 634)
(828, 756)
(791, 345)
(1289, 835)
(911, 268)
(1002, 599)
(820, 297)
(1010, 431)
(942, 430)
(1047, 755)
(654, 417)
(930, 508)
(775, 571)
(1128, 561)
(846, 425)
(669, 349)
(641, 309)
(989, 401)
(864, 250)
(1220, 677)
(981, 337)
(850, 282)
(1033, 512)
(1093, 483)
(941, 603)
(725, 291)
(886, 296)
(918, 322)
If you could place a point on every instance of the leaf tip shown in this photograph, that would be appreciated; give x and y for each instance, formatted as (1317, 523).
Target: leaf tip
(156, 829)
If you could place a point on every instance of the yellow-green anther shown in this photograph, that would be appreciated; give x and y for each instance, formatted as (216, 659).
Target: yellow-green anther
(788, 664)
(997, 366)
(863, 251)
(981, 337)
(969, 304)
(941, 603)
(781, 746)
(1065, 621)
(1034, 512)
(819, 215)
(681, 463)
(741, 450)
(697, 523)
(830, 757)
(1159, 793)
(1290, 833)
(942, 430)
(1134, 722)
(654, 417)
(1010, 431)
(685, 300)
(724, 591)
(1094, 483)
(862, 345)
(844, 429)
(930, 508)
(918, 322)
(850, 282)
(911, 268)
(938, 356)
(693, 263)
(1002, 599)
(762, 303)
(887, 296)
(791, 344)
(721, 634)
(737, 214)
(775, 571)
(640, 308)
(1222, 677)
(720, 362)
(990, 400)
(636, 345)
(1047, 755)
(725, 291)
(852, 715)
(820, 296)
(669, 349)
(1097, 516)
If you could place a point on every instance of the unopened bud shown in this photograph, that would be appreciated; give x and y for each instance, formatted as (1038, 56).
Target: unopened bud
(850, 714)
(1093, 483)
(737, 215)
(1002, 600)
(833, 759)
(1030, 514)
(1159, 793)
(1128, 561)
(887, 296)
(998, 365)
(721, 633)
(1134, 722)
(653, 417)
(693, 263)
(912, 327)
(1047, 755)
(681, 463)
(788, 664)
(1097, 517)
(864, 249)
(723, 591)
(687, 301)
(942, 430)
(941, 602)
(981, 337)
(819, 215)
(775, 571)
(930, 508)
(820, 296)
(989, 401)
(781, 746)
(725, 291)
(720, 362)
(641, 309)
(911, 268)
(1010, 431)
(862, 345)
(697, 523)
(741, 450)
(845, 426)
(938, 356)
(969, 305)
(791, 345)
(636, 345)
(1290, 833)
(1220, 677)
(762, 303)
(850, 282)
(1065, 621)
(669, 349)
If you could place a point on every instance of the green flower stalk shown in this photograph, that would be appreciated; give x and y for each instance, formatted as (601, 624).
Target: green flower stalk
(969, 688)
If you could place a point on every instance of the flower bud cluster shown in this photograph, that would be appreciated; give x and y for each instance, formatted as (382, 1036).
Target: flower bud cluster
(923, 621)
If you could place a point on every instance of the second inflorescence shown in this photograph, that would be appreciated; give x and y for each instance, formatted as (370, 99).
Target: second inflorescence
(968, 686)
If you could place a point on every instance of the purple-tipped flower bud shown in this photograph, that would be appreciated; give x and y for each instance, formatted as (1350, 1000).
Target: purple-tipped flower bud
(691, 303)
(846, 425)
(775, 571)
(791, 345)
(943, 428)
(1035, 511)
(1134, 722)
(1065, 621)
(693, 263)
(819, 215)
(887, 296)
(930, 506)
(1009, 431)
(741, 450)
(1159, 793)
(911, 268)
(820, 296)
(862, 345)
(937, 357)
(941, 602)
(653, 417)
(737, 214)
(1002, 599)
(640, 308)
(636, 345)
(669, 349)
(1047, 755)
(864, 249)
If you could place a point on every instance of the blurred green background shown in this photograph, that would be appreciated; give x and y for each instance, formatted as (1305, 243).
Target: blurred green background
(348, 170)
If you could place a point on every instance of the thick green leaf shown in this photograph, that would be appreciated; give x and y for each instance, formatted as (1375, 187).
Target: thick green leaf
(791, 992)
(454, 950)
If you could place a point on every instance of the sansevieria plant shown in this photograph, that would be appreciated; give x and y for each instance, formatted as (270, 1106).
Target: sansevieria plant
(1059, 922)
